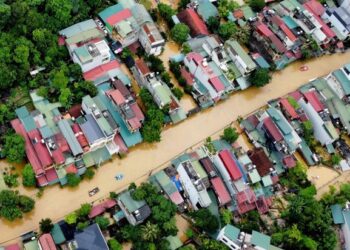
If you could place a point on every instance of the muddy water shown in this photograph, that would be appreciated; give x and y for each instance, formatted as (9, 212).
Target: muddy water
(170, 49)
(56, 201)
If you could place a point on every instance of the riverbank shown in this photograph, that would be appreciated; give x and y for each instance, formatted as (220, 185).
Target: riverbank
(143, 159)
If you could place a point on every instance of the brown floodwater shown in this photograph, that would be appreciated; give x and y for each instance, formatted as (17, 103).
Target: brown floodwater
(57, 202)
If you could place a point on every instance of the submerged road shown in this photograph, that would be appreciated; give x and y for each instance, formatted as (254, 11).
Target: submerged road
(141, 160)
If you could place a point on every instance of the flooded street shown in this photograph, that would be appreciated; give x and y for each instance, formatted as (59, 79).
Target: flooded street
(143, 159)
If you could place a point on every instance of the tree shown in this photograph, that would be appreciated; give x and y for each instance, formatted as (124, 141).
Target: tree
(65, 98)
(308, 131)
(61, 10)
(46, 225)
(114, 244)
(84, 210)
(209, 244)
(28, 176)
(59, 80)
(226, 6)
(186, 48)
(209, 145)
(179, 33)
(230, 135)
(14, 148)
(170, 227)
(82, 225)
(5, 114)
(213, 24)
(5, 13)
(257, 5)
(11, 180)
(178, 93)
(226, 216)
(226, 30)
(90, 173)
(103, 222)
(166, 12)
(13, 205)
(138, 194)
(150, 232)
(71, 218)
(205, 220)
(260, 77)
(73, 180)
(242, 34)
(336, 158)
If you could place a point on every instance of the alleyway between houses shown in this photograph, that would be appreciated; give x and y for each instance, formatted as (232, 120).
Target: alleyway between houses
(141, 160)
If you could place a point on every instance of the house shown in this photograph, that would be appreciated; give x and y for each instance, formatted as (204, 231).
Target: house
(46, 242)
(101, 208)
(135, 211)
(245, 201)
(339, 19)
(151, 39)
(240, 57)
(274, 134)
(260, 241)
(128, 108)
(290, 136)
(230, 164)
(341, 217)
(268, 38)
(230, 236)
(91, 238)
(168, 187)
(128, 22)
(209, 167)
(193, 185)
(263, 165)
(197, 26)
(287, 109)
(206, 9)
(208, 82)
(11, 247)
(324, 130)
(220, 190)
(161, 93)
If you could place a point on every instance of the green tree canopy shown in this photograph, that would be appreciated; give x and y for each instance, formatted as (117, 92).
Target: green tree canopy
(230, 135)
(179, 33)
(46, 225)
(71, 218)
(84, 210)
(226, 6)
(14, 147)
(103, 222)
(73, 180)
(260, 77)
(13, 205)
(226, 30)
(205, 220)
(166, 12)
(28, 176)
(114, 244)
(257, 5)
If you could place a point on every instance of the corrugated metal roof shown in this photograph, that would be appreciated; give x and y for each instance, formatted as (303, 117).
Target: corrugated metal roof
(129, 202)
(70, 137)
(110, 11)
(220, 190)
(231, 232)
(337, 214)
(230, 164)
(233, 44)
(260, 240)
(78, 28)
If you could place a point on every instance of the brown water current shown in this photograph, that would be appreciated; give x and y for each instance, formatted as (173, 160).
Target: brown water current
(139, 163)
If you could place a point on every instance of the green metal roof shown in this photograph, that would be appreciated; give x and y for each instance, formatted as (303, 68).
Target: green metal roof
(162, 93)
(57, 234)
(130, 204)
(69, 135)
(165, 182)
(22, 112)
(78, 28)
(343, 112)
(266, 180)
(343, 80)
(31, 245)
(110, 11)
(289, 21)
(291, 5)
(124, 28)
(280, 122)
(178, 116)
(247, 12)
(46, 132)
(331, 129)
(206, 9)
(260, 240)
(28, 123)
(306, 152)
(231, 232)
(83, 54)
(262, 62)
(254, 176)
(88, 159)
(85, 36)
(199, 169)
(233, 44)
(174, 241)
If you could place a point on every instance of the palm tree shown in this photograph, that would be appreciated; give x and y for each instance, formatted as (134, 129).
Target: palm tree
(150, 231)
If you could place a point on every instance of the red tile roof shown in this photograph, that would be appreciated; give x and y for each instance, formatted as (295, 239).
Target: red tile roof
(30, 151)
(296, 95)
(196, 57)
(101, 208)
(42, 181)
(40, 148)
(51, 175)
(137, 111)
(261, 161)
(134, 123)
(117, 17)
(220, 191)
(313, 99)
(116, 96)
(238, 14)
(58, 156)
(287, 107)
(194, 22)
(46, 242)
(263, 29)
(101, 70)
(262, 204)
(288, 32)
(230, 164)
(272, 129)
(208, 165)
(246, 201)
(187, 76)
(277, 43)
(80, 136)
(142, 66)
(217, 84)
(315, 6)
(71, 169)
(289, 161)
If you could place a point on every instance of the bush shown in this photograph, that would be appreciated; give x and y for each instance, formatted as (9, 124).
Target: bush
(84, 210)
(178, 93)
(71, 218)
(14, 148)
(13, 205)
(179, 33)
(82, 225)
(336, 158)
(260, 77)
(46, 225)
(230, 135)
(205, 220)
(28, 176)
(103, 222)
(114, 244)
(11, 180)
(257, 5)
(73, 180)
(90, 173)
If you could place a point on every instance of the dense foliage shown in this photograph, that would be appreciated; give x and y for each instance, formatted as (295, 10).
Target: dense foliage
(28, 176)
(205, 220)
(14, 148)
(179, 33)
(45, 225)
(260, 77)
(13, 205)
(73, 180)
(230, 135)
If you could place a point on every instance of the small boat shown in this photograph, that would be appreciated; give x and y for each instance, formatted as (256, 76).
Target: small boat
(304, 68)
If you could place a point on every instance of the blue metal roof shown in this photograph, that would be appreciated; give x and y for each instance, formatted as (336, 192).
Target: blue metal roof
(91, 239)
(337, 214)
(91, 129)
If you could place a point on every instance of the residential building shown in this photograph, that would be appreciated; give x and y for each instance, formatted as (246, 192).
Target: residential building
(339, 19)
(101, 208)
(231, 237)
(220, 190)
(190, 17)
(151, 39)
(263, 165)
(209, 167)
(193, 185)
(206, 9)
(161, 93)
(46, 242)
(90, 238)
(341, 217)
(240, 57)
(135, 211)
